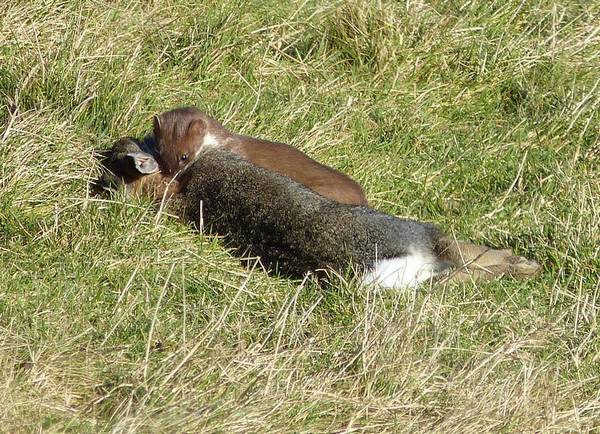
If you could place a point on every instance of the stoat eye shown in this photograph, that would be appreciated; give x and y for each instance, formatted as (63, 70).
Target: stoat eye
(184, 157)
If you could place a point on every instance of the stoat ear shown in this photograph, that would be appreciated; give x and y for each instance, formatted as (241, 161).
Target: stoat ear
(144, 163)
(197, 127)
(156, 125)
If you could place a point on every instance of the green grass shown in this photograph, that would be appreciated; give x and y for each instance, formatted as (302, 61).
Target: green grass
(483, 117)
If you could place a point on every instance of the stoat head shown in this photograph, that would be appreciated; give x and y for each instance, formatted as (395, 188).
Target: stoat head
(180, 135)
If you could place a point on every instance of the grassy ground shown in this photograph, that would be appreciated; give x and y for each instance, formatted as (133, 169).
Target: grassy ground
(481, 116)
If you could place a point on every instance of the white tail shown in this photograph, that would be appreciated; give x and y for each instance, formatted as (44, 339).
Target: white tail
(403, 272)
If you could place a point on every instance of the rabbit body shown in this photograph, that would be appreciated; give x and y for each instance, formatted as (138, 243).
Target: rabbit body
(296, 230)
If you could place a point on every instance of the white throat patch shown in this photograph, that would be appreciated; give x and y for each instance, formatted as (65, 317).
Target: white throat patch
(209, 140)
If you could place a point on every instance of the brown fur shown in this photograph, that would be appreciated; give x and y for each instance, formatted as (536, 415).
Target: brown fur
(155, 185)
(481, 263)
(180, 135)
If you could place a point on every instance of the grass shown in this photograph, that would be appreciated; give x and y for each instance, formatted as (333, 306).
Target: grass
(483, 117)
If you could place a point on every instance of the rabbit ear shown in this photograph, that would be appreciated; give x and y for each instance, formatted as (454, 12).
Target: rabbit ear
(144, 163)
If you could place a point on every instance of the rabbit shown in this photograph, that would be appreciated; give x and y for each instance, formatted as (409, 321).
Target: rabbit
(295, 230)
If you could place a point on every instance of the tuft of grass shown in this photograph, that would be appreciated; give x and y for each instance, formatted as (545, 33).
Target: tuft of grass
(481, 117)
